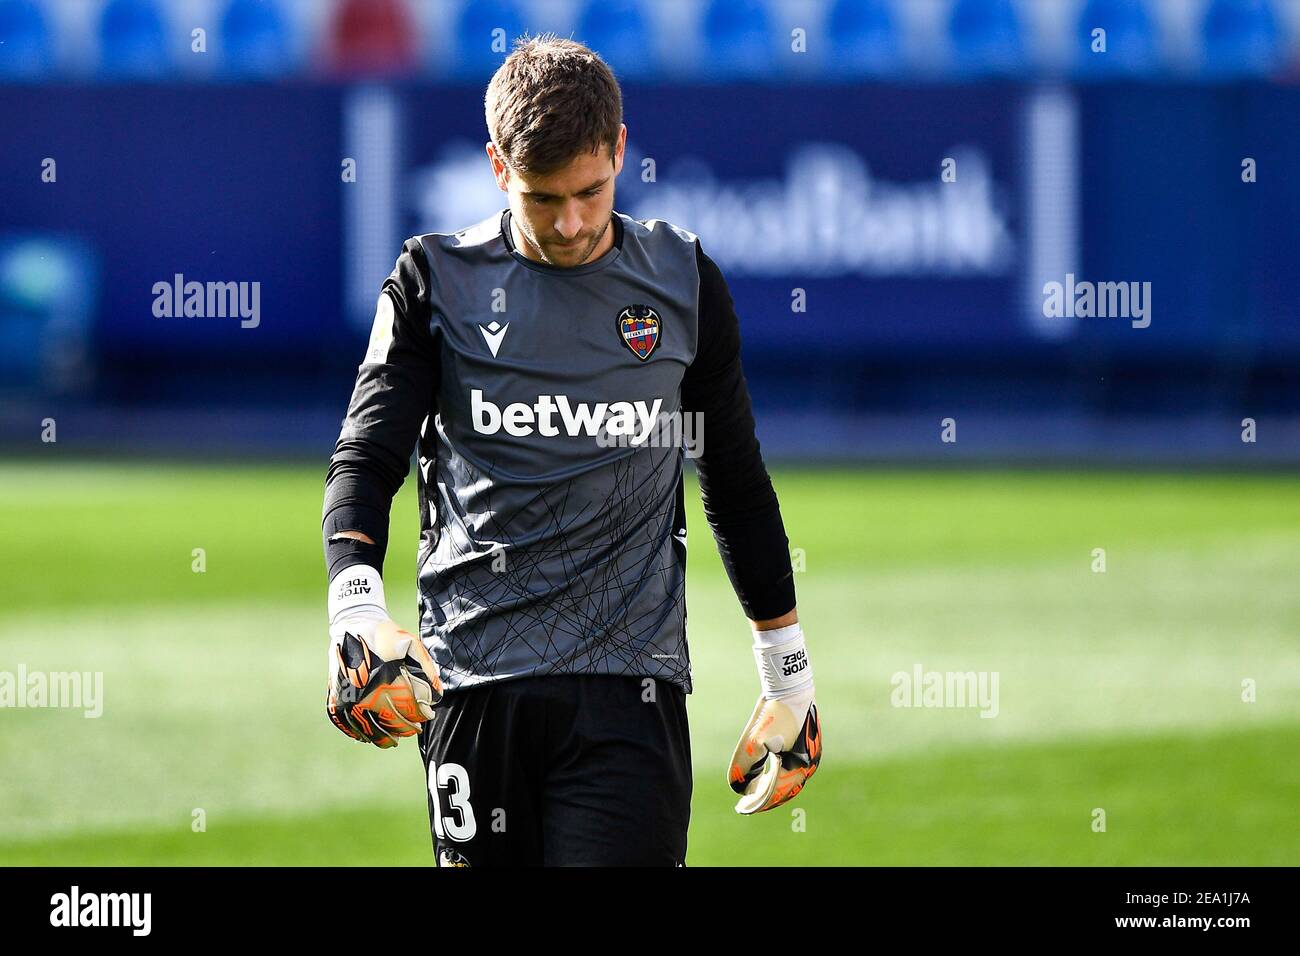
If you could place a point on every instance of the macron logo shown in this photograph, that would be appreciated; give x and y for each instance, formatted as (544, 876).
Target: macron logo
(632, 419)
(493, 334)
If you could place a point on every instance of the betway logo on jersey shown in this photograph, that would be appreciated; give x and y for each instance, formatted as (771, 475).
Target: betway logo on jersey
(552, 414)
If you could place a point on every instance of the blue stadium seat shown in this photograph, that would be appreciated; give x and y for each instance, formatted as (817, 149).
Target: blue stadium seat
(473, 52)
(737, 39)
(255, 39)
(863, 38)
(986, 37)
(131, 40)
(1131, 47)
(1241, 37)
(618, 31)
(25, 48)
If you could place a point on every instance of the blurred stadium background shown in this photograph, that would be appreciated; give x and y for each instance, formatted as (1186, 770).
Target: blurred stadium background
(806, 142)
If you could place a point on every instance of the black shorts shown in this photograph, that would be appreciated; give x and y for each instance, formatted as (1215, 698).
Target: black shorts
(560, 770)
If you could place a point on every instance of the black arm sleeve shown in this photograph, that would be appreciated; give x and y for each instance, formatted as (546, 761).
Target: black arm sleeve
(395, 390)
(739, 501)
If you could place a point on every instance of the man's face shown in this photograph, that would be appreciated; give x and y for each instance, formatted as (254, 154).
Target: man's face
(563, 216)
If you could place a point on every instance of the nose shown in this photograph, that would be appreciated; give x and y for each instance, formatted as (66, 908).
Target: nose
(569, 222)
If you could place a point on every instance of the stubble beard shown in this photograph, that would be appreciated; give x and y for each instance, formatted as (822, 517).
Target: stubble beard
(586, 254)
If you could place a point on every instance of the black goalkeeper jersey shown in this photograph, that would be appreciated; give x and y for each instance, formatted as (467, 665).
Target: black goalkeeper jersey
(548, 407)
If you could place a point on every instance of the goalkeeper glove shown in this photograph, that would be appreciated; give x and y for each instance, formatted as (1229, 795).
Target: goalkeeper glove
(781, 746)
(382, 682)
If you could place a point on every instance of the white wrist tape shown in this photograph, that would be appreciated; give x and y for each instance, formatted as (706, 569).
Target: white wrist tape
(783, 665)
(357, 592)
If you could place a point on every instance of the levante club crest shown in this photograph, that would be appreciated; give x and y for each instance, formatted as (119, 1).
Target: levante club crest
(639, 326)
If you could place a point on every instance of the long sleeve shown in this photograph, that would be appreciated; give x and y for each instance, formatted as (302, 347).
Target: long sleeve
(396, 388)
(739, 502)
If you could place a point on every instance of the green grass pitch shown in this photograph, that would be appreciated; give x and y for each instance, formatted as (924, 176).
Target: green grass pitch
(1119, 691)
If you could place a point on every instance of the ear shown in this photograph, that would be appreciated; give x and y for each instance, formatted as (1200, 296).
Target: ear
(619, 148)
(500, 170)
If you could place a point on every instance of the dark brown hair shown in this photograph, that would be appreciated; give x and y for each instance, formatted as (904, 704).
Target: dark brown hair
(550, 100)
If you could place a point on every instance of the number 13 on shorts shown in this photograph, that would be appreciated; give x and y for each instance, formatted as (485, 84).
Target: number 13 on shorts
(450, 783)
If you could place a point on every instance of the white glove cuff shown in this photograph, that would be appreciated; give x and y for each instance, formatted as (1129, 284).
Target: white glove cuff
(783, 666)
(357, 592)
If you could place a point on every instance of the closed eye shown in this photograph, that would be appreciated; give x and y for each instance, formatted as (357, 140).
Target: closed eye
(589, 194)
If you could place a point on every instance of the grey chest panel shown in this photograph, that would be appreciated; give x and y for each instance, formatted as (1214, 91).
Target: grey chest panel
(550, 489)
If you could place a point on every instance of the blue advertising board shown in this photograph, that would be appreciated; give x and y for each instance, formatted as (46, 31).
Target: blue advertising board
(870, 223)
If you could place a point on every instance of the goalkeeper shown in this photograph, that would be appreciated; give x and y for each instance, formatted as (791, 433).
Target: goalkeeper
(533, 361)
